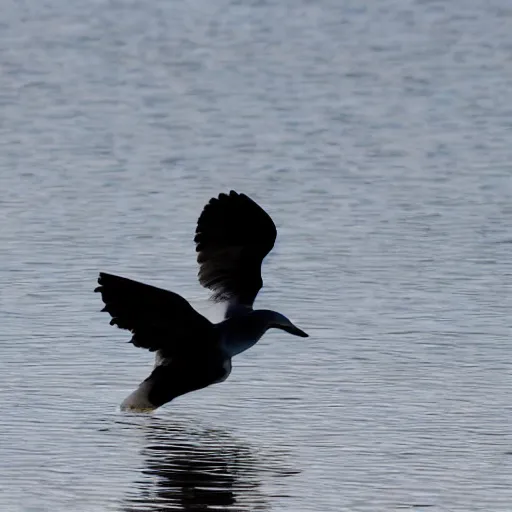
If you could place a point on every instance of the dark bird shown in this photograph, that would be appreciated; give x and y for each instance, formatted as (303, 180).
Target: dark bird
(233, 236)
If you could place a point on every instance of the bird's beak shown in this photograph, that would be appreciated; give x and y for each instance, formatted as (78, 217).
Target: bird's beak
(292, 329)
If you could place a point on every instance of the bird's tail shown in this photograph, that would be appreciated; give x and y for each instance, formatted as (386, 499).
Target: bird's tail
(138, 400)
(153, 392)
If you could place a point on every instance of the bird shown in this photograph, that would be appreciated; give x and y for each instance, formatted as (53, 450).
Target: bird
(233, 236)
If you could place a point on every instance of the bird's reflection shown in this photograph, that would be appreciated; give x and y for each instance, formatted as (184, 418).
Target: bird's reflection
(203, 469)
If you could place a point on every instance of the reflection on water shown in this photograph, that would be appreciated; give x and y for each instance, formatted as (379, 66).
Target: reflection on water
(197, 469)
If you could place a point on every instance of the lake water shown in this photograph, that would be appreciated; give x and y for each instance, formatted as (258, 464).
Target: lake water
(377, 135)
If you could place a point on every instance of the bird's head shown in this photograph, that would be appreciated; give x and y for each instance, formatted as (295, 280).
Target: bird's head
(278, 321)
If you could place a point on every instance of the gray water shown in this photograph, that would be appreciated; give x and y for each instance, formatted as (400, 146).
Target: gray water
(377, 135)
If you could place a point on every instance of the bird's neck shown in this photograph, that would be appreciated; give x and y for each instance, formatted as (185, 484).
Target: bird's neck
(241, 333)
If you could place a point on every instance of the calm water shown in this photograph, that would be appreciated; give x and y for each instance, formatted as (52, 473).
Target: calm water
(378, 138)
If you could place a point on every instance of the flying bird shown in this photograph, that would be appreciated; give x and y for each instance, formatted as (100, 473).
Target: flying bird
(233, 236)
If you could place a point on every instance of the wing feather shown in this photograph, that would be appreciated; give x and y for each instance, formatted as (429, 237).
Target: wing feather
(233, 236)
(158, 319)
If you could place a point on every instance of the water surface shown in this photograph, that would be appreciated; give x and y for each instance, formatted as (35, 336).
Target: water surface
(378, 138)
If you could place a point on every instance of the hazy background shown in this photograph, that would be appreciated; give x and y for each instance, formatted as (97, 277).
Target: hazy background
(378, 136)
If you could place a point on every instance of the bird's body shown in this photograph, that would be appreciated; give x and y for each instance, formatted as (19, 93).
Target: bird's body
(233, 236)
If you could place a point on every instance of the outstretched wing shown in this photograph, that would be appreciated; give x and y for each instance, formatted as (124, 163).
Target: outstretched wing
(233, 236)
(158, 319)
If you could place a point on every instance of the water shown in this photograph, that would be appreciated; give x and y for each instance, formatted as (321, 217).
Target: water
(378, 138)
